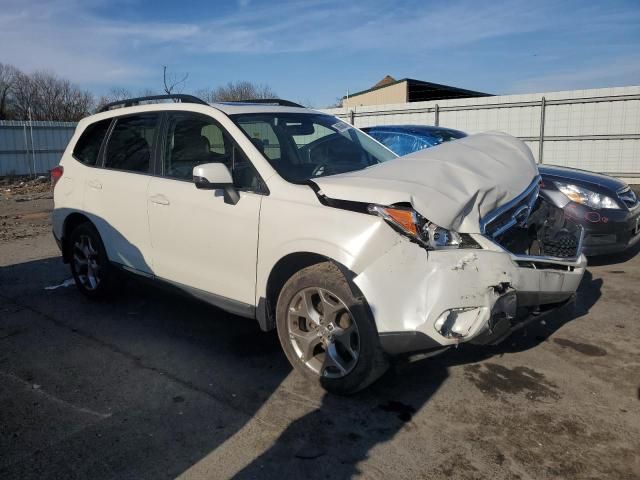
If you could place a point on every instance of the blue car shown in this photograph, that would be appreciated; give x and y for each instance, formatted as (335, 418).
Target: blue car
(605, 206)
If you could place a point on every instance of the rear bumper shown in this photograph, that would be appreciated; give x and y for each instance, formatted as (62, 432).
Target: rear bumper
(428, 300)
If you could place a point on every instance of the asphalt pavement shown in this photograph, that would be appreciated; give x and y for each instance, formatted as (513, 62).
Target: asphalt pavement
(156, 385)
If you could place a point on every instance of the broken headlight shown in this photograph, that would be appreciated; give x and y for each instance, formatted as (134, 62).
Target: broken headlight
(415, 226)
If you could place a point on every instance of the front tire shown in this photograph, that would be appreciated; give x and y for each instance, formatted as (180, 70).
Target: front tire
(327, 333)
(93, 273)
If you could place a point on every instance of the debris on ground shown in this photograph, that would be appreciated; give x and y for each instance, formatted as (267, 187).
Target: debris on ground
(25, 207)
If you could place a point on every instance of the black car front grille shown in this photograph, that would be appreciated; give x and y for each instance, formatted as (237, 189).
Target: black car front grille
(628, 197)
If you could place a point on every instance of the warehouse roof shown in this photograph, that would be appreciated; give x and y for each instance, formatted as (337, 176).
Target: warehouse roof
(420, 91)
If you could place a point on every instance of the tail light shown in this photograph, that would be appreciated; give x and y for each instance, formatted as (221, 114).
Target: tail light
(56, 174)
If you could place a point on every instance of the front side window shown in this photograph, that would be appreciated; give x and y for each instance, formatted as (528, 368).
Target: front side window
(195, 139)
(131, 143)
(301, 146)
(87, 148)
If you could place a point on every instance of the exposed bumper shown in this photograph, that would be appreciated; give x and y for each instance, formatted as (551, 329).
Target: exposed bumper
(454, 296)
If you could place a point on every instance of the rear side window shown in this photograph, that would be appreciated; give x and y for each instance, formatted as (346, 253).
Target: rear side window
(131, 143)
(88, 146)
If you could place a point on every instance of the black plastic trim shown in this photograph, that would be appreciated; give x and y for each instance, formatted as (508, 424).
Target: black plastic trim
(269, 101)
(130, 102)
(396, 343)
(227, 304)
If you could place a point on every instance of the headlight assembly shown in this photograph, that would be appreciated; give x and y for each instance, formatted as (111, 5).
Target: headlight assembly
(585, 196)
(410, 223)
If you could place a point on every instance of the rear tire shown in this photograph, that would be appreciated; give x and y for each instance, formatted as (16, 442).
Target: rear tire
(93, 273)
(327, 333)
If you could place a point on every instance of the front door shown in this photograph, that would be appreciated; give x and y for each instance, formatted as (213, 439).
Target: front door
(198, 240)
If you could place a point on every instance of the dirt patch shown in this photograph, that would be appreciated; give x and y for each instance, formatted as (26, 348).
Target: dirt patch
(20, 188)
(583, 348)
(25, 208)
(497, 380)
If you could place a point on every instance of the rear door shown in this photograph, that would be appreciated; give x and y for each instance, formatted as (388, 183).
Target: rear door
(199, 240)
(116, 194)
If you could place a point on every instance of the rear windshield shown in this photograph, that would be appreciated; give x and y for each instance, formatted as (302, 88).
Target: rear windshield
(301, 146)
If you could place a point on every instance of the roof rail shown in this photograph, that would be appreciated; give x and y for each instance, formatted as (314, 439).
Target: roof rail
(129, 102)
(270, 101)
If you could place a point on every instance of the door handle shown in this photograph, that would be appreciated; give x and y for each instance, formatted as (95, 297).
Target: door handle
(95, 184)
(159, 200)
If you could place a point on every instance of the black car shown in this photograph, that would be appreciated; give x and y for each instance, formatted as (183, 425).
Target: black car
(605, 206)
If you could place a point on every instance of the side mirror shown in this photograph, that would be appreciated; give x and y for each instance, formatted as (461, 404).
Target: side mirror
(216, 176)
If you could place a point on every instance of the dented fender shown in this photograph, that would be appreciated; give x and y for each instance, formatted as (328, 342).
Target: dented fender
(411, 289)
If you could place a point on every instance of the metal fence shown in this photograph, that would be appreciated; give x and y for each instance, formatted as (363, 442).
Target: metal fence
(31, 148)
(596, 129)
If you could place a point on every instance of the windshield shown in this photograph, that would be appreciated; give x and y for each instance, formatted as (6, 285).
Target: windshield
(301, 146)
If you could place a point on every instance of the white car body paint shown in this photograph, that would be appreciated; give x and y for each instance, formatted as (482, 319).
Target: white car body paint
(409, 288)
(169, 229)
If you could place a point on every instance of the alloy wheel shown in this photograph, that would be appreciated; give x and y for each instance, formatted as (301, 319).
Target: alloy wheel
(86, 262)
(323, 332)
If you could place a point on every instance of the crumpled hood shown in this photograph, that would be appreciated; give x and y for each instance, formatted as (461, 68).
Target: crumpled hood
(453, 185)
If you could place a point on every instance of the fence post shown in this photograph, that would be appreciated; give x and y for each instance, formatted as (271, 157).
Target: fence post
(33, 148)
(351, 117)
(436, 114)
(541, 140)
(26, 147)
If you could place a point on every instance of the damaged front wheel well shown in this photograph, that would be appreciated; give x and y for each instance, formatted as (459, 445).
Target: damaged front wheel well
(280, 273)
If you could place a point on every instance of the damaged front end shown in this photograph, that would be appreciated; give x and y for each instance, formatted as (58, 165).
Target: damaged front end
(482, 252)
(525, 262)
(533, 227)
(544, 244)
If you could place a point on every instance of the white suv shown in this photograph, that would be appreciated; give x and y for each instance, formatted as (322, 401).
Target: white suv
(297, 219)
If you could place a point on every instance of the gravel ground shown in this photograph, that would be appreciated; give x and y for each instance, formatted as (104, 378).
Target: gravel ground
(155, 385)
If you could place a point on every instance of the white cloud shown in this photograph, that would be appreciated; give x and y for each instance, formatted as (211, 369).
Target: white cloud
(618, 72)
(66, 37)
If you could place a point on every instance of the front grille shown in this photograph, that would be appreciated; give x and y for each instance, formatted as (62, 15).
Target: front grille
(531, 227)
(513, 214)
(628, 197)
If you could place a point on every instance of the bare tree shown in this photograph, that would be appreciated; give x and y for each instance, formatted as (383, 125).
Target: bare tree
(173, 81)
(115, 94)
(8, 74)
(337, 103)
(236, 91)
(45, 96)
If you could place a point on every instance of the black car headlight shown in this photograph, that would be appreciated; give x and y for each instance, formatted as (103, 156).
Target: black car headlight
(587, 197)
(410, 223)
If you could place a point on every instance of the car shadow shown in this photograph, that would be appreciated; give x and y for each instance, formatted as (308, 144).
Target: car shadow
(180, 379)
(615, 258)
(403, 391)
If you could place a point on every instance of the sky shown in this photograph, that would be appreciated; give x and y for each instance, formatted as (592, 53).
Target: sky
(315, 51)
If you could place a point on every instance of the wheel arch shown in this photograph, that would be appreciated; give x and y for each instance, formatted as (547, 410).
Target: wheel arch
(70, 223)
(282, 271)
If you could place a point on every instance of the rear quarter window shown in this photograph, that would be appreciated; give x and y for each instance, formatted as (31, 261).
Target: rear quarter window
(87, 147)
